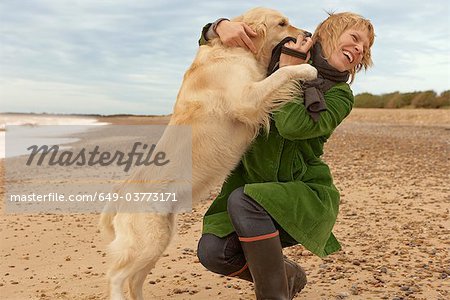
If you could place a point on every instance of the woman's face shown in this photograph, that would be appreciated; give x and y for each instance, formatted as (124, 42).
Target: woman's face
(352, 45)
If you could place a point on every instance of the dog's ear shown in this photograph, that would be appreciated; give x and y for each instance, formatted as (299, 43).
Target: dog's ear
(261, 31)
(258, 24)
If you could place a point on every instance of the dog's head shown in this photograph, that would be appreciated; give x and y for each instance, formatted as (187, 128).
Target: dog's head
(271, 27)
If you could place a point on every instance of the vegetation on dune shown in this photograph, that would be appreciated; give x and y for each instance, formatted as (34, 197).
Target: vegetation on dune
(425, 99)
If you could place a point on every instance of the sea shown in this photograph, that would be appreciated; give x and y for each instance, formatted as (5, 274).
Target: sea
(41, 133)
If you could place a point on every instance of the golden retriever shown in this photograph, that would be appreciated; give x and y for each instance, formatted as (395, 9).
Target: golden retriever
(226, 98)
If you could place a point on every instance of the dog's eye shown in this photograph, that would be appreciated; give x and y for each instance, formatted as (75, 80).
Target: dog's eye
(282, 23)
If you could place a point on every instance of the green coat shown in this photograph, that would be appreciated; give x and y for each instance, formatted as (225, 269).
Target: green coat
(283, 172)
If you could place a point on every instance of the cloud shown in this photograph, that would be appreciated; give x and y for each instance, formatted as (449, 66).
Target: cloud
(114, 57)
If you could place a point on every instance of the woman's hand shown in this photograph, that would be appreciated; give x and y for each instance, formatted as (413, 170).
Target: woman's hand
(303, 44)
(236, 34)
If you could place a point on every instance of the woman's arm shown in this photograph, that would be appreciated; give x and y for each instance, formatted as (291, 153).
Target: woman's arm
(294, 123)
(239, 34)
(231, 34)
(209, 32)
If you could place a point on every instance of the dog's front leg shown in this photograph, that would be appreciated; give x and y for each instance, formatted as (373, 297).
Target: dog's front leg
(264, 88)
(260, 98)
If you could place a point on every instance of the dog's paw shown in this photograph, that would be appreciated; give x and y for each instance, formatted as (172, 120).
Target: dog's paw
(306, 72)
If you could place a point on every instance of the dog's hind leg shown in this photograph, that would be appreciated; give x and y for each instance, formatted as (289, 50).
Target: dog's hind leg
(135, 274)
(116, 282)
(140, 241)
(136, 281)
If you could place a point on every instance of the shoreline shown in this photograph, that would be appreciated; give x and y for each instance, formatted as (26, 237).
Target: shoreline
(417, 116)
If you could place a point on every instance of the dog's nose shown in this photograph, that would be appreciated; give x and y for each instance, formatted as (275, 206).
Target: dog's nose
(307, 34)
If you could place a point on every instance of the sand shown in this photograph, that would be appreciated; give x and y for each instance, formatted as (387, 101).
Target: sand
(392, 168)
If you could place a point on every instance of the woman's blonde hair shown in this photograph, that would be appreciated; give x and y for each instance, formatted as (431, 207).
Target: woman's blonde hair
(329, 31)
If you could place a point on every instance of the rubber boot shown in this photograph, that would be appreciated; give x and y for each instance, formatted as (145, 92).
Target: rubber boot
(265, 260)
(296, 276)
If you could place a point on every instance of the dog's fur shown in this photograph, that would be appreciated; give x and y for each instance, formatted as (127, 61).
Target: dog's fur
(226, 99)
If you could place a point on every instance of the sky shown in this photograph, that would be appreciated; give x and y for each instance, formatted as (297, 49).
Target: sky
(129, 57)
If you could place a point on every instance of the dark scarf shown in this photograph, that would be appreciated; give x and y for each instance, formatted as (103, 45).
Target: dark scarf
(314, 90)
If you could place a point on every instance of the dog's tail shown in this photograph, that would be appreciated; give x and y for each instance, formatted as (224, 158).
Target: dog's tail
(106, 223)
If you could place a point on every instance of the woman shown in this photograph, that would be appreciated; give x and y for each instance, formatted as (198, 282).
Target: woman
(282, 193)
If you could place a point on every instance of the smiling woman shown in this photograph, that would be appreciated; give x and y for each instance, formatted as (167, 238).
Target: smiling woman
(350, 51)
(346, 40)
(282, 193)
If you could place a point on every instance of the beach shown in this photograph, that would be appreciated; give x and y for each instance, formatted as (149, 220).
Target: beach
(392, 168)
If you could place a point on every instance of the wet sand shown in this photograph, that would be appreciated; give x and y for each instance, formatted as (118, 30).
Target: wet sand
(392, 169)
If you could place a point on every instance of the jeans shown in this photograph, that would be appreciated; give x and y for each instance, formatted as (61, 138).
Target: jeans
(224, 255)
